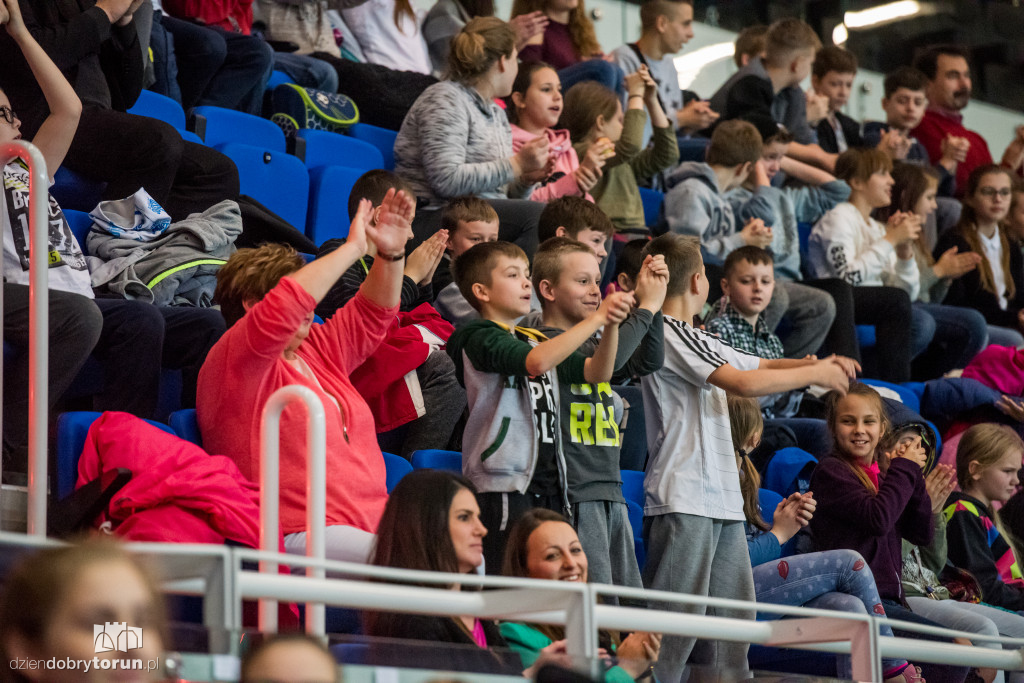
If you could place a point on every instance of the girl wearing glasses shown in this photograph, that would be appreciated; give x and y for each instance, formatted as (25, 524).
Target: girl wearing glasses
(996, 286)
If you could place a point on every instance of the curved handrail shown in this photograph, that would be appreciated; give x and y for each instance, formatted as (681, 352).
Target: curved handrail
(38, 325)
(316, 494)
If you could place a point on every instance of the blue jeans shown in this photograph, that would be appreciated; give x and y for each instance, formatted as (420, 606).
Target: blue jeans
(165, 64)
(1004, 336)
(933, 673)
(959, 335)
(837, 580)
(307, 71)
(606, 73)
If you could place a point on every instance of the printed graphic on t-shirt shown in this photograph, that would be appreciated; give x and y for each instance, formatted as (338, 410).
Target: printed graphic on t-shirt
(837, 255)
(591, 422)
(546, 476)
(64, 251)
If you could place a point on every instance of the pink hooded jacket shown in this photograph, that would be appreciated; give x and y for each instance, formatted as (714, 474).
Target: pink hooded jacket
(566, 162)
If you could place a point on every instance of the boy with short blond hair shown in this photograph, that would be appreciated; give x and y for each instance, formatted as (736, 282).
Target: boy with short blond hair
(770, 86)
(578, 219)
(832, 76)
(694, 524)
(567, 276)
(694, 201)
(510, 374)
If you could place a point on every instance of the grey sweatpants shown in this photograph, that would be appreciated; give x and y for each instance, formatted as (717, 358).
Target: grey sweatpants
(698, 556)
(810, 312)
(607, 539)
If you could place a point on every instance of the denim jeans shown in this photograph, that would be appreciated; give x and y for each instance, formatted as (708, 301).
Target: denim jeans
(958, 335)
(837, 580)
(307, 71)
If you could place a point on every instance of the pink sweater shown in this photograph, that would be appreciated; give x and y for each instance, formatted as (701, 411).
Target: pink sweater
(246, 366)
(566, 162)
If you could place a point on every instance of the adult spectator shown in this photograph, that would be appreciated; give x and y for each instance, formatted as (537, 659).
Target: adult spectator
(96, 45)
(949, 92)
(456, 140)
(267, 296)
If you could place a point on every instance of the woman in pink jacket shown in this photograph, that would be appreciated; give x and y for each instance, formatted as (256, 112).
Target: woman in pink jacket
(533, 108)
(267, 296)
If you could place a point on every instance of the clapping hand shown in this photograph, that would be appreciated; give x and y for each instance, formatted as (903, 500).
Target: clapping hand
(939, 483)
(652, 283)
(1011, 407)
(425, 258)
(910, 448)
(10, 16)
(756, 233)
(394, 224)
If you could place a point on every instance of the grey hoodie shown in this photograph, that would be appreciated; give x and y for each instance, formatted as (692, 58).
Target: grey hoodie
(694, 205)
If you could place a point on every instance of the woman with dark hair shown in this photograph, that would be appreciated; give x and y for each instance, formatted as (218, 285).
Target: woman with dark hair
(432, 523)
(52, 600)
(543, 545)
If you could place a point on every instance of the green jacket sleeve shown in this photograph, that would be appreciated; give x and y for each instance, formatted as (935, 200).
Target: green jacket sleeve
(491, 348)
(662, 154)
(528, 642)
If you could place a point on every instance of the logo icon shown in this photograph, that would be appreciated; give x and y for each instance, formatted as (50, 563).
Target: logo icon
(116, 637)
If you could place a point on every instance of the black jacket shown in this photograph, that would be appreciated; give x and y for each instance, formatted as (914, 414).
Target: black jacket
(72, 32)
(445, 645)
(827, 136)
(967, 291)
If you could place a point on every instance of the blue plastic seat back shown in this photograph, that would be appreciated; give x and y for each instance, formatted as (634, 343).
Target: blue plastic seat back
(324, 148)
(652, 200)
(397, 467)
(866, 336)
(80, 223)
(789, 471)
(350, 653)
(278, 78)
(381, 138)
(633, 486)
(73, 191)
(693, 149)
(225, 126)
(157, 106)
(329, 190)
(276, 179)
(907, 396)
(72, 429)
(186, 425)
(437, 460)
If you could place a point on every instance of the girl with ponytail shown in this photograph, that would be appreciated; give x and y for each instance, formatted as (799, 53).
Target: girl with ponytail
(836, 579)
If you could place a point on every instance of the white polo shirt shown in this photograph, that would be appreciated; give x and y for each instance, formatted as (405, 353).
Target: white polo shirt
(692, 467)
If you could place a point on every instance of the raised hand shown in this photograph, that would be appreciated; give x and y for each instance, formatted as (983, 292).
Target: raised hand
(10, 16)
(817, 107)
(357, 228)
(850, 366)
(638, 651)
(424, 259)
(902, 227)
(894, 143)
(635, 83)
(527, 26)
(394, 224)
(652, 283)
(939, 483)
(616, 307)
(597, 154)
(533, 156)
(911, 449)
(954, 149)
(832, 376)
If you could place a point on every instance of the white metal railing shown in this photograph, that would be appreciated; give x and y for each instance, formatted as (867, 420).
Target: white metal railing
(316, 494)
(39, 326)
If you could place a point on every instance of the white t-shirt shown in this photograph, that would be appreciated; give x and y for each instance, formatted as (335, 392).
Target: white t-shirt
(692, 469)
(993, 249)
(399, 48)
(68, 269)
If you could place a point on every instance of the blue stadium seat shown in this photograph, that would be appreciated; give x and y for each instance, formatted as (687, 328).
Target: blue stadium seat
(220, 127)
(73, 191)
(72, 429)
(329, 188)
(397, 467)
(907, 396)
(80, 223)
(157, 106)
(278, 78)
(381, 138)
(633, 486)
(693, 149)
(350, 653)
(324, 148)
(437, 460)
(276, 179)
(185, 425)
(652, 200)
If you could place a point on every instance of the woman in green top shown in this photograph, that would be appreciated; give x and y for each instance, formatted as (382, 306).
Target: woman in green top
(543, 545)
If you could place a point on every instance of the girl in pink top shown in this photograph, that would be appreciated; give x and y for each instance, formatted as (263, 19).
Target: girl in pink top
(267, 296)
(533, 109)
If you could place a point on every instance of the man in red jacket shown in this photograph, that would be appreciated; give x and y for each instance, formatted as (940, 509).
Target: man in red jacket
(949, 92)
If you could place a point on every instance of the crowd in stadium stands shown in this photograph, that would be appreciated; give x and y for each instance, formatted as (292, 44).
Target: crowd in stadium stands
(566, 240)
